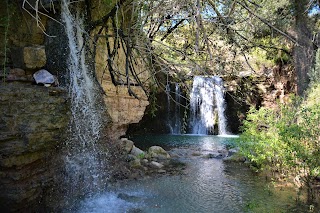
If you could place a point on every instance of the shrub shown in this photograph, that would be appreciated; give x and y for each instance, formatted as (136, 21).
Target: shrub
(285, 140)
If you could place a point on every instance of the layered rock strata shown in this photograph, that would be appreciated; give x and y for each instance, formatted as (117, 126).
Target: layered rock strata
(33, 122)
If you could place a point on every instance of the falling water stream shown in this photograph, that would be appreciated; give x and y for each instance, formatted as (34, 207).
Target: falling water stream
(177, 112)
(220, 102)
(84, 170)
(173, 115)
(169, 119)
(207, 104)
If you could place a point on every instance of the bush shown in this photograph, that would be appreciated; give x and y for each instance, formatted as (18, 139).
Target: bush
(260, 141)
(286, 140)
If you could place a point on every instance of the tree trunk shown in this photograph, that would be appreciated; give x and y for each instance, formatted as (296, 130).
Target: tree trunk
(303, 52)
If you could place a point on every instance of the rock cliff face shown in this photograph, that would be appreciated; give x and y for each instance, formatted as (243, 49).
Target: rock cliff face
(33, 122)
(266, 88)
(125, 99)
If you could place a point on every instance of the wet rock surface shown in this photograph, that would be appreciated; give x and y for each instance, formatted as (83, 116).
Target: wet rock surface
(33, 122)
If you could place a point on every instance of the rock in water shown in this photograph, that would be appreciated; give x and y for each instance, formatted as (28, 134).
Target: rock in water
(44, 77)
(137, 152)
(156, 165)
(126, 145)
(158, 152)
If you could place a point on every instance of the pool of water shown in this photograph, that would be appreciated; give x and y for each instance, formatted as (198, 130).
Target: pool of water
(207, 185)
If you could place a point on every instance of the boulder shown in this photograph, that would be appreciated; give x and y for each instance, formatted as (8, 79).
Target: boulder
(144, 161)
(136, 151)
(158, 152)
(126, 145)
(135, 163)
(130, 157)
(44, 77)
(156, 165)
(34, 57)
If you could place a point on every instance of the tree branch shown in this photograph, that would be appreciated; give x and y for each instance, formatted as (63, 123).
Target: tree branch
(171, 29)
(267, 23)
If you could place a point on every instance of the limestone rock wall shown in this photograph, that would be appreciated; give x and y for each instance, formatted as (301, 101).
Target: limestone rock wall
(18, 31)
(266, 88)
(123, 107)
(33, 122)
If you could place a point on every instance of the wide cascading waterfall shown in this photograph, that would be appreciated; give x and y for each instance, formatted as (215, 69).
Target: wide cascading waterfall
(206, 104)
(84, 168)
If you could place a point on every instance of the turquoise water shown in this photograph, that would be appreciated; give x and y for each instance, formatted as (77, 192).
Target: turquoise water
(207, 185)
(187, 140)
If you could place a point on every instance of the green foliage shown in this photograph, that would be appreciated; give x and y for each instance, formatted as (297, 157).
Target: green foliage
(141, 156)
(260, 141)
(286, 140)
(270, 51)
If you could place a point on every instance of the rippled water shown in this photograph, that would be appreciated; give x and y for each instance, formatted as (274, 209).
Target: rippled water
(208, 185)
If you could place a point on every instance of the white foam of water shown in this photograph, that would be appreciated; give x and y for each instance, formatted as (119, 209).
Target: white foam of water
(220, 102)
(107, 203)
(206, 96)
(82, 163)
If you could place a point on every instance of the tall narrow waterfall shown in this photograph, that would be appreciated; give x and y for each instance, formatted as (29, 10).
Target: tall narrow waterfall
(84, 170)
(173, 115)
(168, 92)
(207, 105)
(177, 112)
(218, 87)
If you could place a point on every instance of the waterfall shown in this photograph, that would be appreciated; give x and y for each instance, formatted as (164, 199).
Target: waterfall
(83, 165)
(176, 119)
(173, 116)
(169, 107)
(206, 105)
(218, 87)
